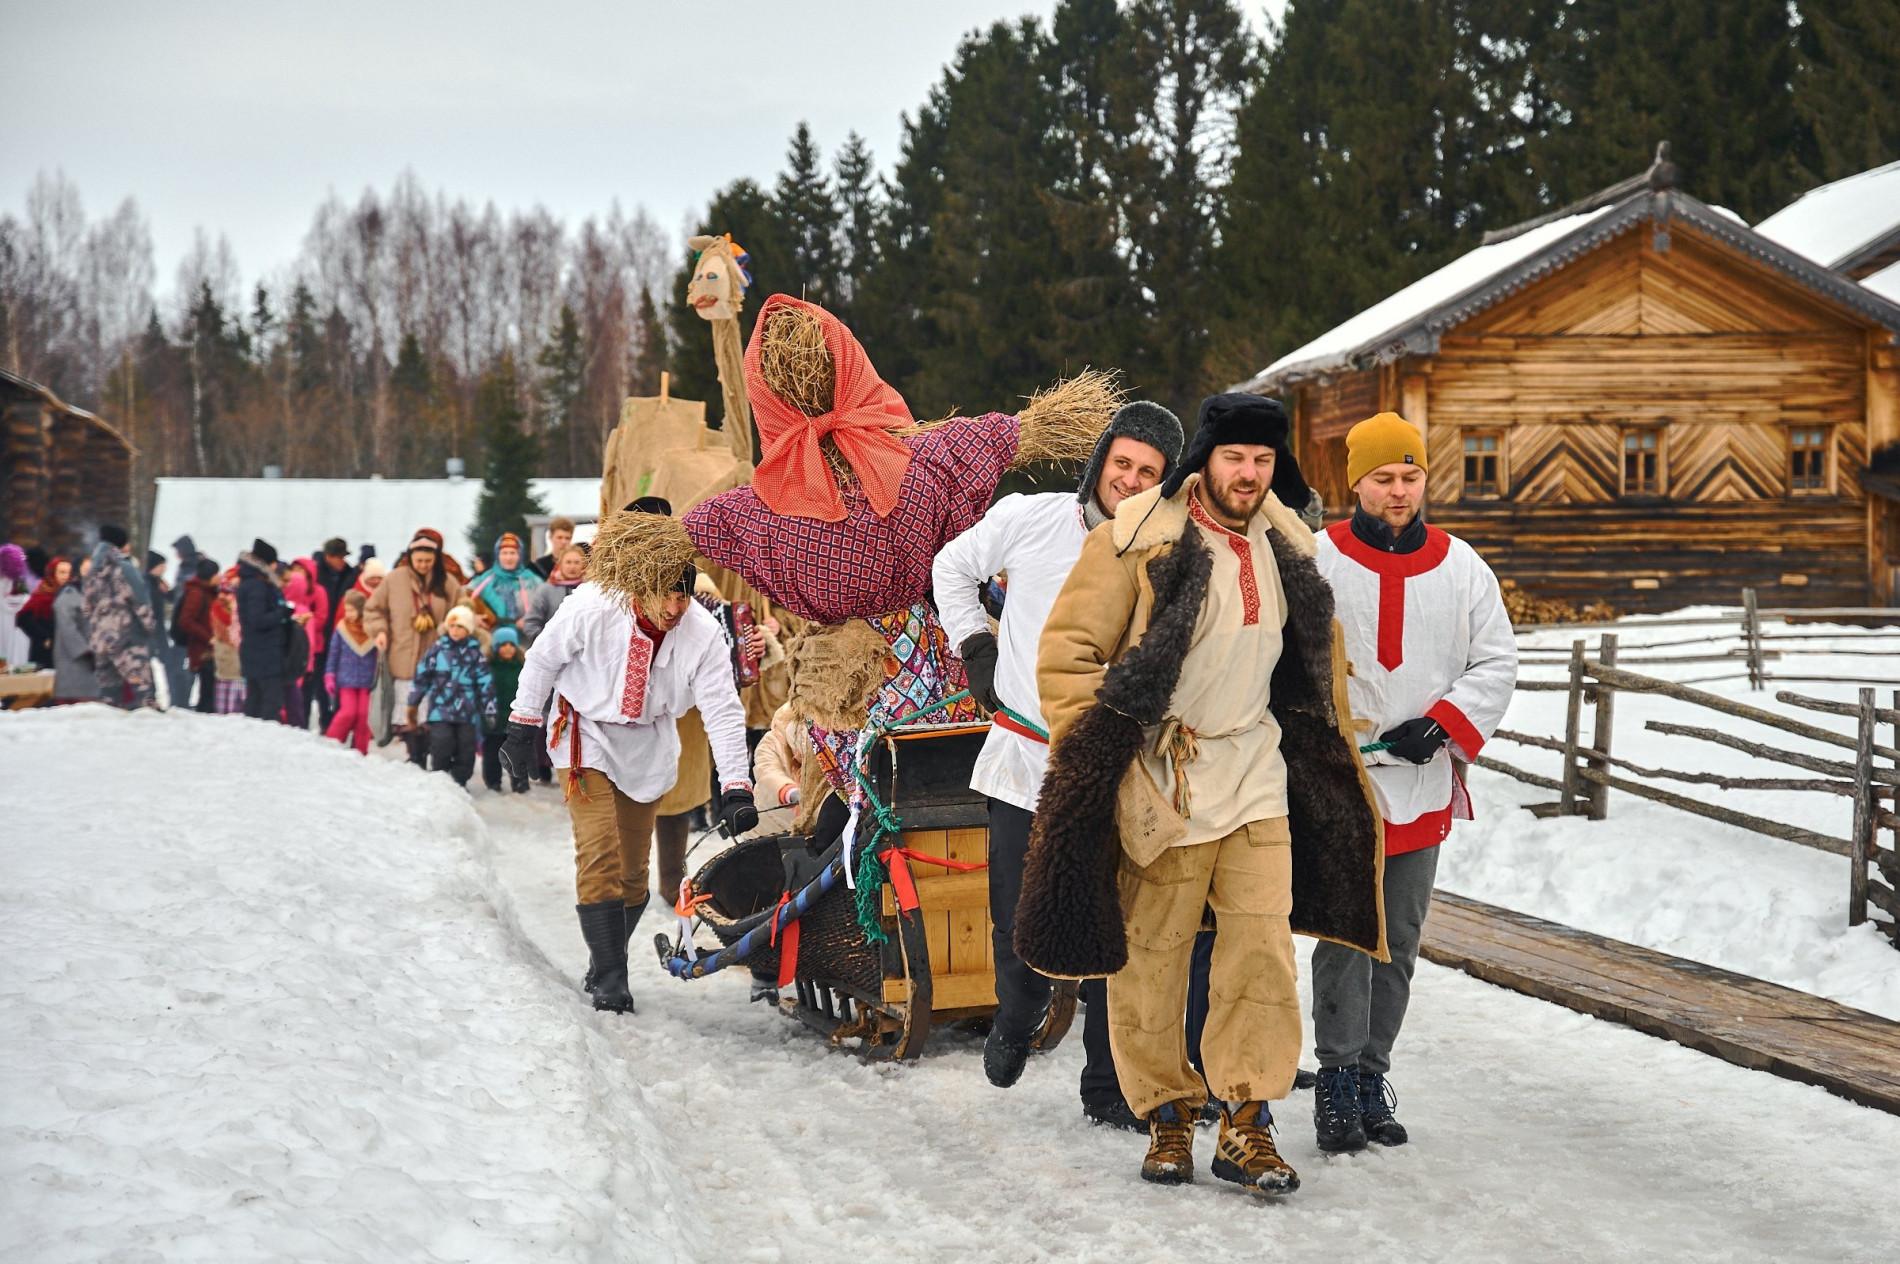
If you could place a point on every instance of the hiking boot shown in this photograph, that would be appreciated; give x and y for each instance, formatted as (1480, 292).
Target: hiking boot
(1004, 1057)
(1246, 1154)
(1114, 1114)
(604, 927)
(1377, 1099)
(1337, 1125)
(1170, 1158)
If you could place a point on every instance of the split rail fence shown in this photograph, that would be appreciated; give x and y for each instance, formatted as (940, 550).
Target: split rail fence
(1781, 637)
(1588, 773)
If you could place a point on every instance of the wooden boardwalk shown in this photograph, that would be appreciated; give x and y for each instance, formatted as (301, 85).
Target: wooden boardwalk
(1754, 1024)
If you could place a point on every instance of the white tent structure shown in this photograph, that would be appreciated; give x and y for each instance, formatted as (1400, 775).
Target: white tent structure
(296, 515)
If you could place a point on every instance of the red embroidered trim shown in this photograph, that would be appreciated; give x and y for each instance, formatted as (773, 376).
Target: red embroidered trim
(1393, 569)
(1249, 584)
(633, 693)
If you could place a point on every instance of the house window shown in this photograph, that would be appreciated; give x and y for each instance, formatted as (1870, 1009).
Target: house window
(1807, 459)
(1484, 454)
(1643, 462)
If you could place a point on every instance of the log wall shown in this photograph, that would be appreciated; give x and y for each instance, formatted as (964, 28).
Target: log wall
(61, 474)
(1658, 330)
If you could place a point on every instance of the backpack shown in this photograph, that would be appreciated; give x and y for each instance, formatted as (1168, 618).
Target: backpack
(179, 635)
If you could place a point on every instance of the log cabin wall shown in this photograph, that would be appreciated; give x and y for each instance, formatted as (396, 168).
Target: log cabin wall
(1716, 367)
(1322, 414)
(64, 472)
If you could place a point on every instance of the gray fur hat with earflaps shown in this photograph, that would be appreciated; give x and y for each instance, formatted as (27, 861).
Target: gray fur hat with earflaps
(1142, 420)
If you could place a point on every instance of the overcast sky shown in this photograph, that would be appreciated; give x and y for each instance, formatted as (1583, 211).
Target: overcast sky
(241, 118)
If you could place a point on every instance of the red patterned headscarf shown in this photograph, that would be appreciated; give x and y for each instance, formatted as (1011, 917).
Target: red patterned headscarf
(792, 478)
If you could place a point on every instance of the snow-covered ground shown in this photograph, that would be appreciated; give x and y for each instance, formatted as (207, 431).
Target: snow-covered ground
(261, 999)
(1668, 880)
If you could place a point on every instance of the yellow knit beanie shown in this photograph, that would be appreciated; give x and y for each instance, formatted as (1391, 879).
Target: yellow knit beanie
(1382, 440)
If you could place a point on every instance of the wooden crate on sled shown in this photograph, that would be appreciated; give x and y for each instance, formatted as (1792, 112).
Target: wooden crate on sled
(937, 963)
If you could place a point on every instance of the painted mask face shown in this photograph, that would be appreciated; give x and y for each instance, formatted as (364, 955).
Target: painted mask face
(718, 287)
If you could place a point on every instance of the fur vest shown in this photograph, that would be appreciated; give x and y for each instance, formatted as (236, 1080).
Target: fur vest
(1109, 670)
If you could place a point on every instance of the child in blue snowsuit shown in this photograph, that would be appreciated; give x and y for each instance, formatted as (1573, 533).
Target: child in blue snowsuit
(454, 676)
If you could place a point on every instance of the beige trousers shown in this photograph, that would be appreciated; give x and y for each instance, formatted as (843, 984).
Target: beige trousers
(1251, 1045)
(613, 838)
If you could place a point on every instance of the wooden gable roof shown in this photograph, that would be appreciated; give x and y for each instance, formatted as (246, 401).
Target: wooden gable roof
(1515, 261)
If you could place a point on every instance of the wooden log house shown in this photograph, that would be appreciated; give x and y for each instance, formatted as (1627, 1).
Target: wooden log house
(63, 471)
(1636, 399)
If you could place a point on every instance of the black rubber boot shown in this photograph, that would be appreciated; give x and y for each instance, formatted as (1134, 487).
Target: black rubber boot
(1337, 1126)
(604, 927)
(633, 920)
(1377, 1100)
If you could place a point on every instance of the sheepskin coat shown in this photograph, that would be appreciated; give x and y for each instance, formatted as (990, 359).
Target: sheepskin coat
(1107, 668)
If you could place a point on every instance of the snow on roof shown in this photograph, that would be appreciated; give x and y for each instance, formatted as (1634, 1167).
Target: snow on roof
(1830, 224)
(1885, 283)
(296, 515)
(1463, 274)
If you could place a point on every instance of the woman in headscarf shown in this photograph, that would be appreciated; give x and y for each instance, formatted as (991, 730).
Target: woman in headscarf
(406, 612)
(504, 589)
(36, 617)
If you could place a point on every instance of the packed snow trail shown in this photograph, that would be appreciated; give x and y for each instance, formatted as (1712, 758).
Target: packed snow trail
(262, 999)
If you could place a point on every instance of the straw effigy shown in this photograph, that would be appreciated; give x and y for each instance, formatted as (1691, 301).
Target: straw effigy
(638, 558)
(835, 670)
(1059, 424)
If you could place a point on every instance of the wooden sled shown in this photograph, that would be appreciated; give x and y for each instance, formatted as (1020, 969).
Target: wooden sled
(937, 964)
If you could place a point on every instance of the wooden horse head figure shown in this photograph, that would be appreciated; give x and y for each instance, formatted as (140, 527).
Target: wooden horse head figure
(717, 291)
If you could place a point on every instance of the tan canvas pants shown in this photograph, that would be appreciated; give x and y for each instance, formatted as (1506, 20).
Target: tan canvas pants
(1251, 1046)
(613, 838)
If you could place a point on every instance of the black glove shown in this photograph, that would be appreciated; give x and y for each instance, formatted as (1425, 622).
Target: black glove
(737, 813)
(1416, 741)
(978, 653)
(518, 750)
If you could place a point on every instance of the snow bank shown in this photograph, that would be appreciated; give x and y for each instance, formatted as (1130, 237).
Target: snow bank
(262, 999)
(1668, 880)
(257, 1004)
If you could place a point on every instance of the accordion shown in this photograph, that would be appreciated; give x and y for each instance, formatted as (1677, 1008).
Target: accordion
(735, 620)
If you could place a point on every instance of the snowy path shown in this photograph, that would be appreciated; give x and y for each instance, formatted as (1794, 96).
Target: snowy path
(326, 1011)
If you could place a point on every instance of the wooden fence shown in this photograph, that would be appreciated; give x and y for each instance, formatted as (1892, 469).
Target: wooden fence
(1587, 776)
(1772, 636)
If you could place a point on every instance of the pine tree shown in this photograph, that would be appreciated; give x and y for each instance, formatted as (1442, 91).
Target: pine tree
(563, 362)
(976, 248)
(650, 360)
(1190, 61)
(855, 177)
(809, 218)
(1715, 78)
(510, 457)
(412, 406)
(1847, 89)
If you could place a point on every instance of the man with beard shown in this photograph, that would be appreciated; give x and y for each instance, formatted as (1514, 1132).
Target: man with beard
(1203, 761)
(1034, 541)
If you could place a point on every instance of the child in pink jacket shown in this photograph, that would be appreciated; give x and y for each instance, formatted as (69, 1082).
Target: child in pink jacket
(350, 675)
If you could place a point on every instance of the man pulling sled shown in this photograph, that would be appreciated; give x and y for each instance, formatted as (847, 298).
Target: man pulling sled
(1203, 761)
(623, 658)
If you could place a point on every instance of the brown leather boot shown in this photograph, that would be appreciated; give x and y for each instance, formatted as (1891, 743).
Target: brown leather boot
(1246, 1154)
(1170, 1159)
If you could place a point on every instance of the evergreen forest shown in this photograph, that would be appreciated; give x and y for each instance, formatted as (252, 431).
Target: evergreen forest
(1148, 185)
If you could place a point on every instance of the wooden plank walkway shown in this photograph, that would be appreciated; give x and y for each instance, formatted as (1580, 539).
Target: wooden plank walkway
(1759, 1025)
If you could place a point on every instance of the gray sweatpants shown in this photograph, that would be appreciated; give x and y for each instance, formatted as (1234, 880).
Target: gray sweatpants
(1358, 1003)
